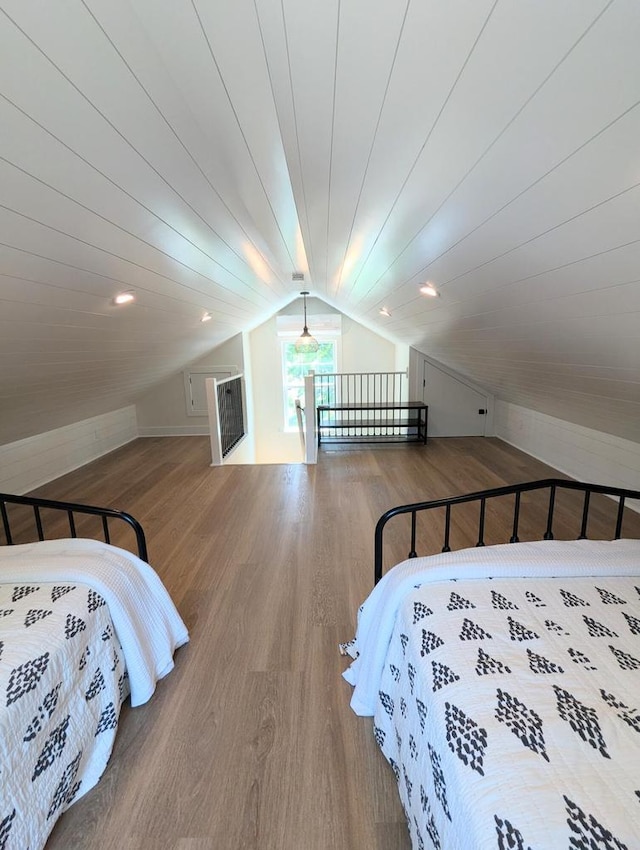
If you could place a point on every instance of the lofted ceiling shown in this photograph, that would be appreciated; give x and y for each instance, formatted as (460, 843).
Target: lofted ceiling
(200, 152)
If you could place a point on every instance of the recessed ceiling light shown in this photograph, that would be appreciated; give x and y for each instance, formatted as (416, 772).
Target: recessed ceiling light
(206, 317)
(384, 311)
(429, 289)
(124, 298)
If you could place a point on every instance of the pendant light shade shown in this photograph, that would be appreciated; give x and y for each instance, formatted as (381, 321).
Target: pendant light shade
(306, 344)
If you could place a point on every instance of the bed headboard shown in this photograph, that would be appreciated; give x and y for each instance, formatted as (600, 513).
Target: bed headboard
(483, 496)
(71, 509)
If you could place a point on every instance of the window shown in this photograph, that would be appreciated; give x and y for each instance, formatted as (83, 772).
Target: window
(296, 366)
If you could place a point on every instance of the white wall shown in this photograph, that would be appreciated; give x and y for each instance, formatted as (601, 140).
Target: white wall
(366, 351)
(163, 412)
(273, 445)
(579, 452)
(403, 353)
(456, 399)
(29, 463)
(361, 350)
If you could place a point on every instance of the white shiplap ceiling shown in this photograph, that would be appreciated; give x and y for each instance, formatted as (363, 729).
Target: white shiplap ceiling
(199, 152)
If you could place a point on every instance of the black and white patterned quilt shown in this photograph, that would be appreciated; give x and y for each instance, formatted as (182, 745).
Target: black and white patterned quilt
(62, 681)
(509, 707)
(82, 624)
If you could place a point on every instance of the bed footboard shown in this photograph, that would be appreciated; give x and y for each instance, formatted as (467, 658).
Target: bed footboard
(71, 509)
(483, 496)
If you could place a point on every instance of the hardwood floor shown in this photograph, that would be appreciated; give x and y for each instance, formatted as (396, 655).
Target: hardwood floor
(250, 741)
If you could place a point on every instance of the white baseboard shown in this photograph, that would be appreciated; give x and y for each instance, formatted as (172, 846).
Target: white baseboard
(173, 431)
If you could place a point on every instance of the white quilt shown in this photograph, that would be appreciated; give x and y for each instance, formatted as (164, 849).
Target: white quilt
(146, 621)
(81, 624)
(509, 708)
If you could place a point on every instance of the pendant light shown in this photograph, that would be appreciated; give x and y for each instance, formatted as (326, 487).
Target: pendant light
(306, 344)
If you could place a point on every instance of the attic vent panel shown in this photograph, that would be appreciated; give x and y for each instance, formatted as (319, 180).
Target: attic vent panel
(195, 388)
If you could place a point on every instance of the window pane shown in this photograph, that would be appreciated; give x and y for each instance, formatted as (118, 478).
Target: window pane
(296, 373)
(296, 366)
(291, 420)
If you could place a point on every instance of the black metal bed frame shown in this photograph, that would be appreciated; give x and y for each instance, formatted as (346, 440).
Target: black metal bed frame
(70, 508)
(552, 484)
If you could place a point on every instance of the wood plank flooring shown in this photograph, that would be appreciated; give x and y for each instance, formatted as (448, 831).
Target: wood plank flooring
(250, 741)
